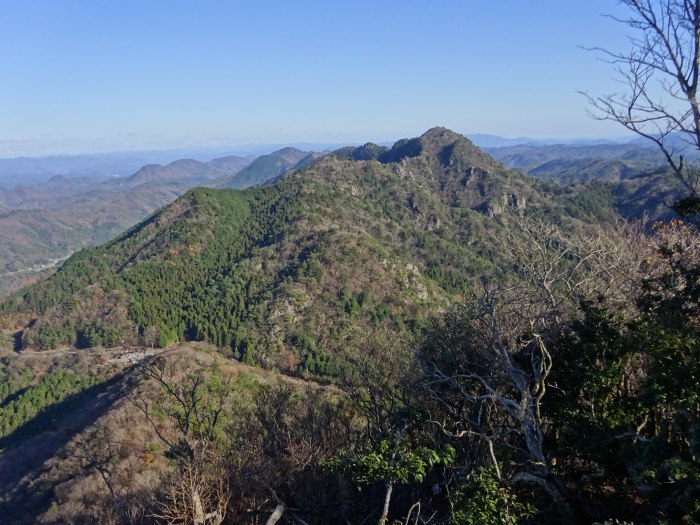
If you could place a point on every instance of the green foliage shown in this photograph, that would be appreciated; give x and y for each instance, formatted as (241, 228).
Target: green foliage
(484, 500)
(182, 283)
(316, 360)
(48, 336)
(391, 461)
(27, 404)
(350, 302)
(591, 200)
(97, 334)
(688, 206)
(12, 382)
(629, 404)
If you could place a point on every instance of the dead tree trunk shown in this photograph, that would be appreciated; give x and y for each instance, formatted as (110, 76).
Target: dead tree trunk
(387, 501)
(276, 515)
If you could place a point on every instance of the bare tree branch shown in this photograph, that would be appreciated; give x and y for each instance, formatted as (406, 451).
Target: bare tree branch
(661, 72)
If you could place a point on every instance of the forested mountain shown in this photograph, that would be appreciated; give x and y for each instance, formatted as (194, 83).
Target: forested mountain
(264, 271)
(414, 333)
(49, 221)
(268, 167)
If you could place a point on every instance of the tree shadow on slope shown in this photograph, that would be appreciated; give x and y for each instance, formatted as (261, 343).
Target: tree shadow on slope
(24, 454)
(17, 341)
(9, 399)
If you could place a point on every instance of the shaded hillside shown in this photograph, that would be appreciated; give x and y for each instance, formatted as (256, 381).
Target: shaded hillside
(272, 272)
(651, 195)
(268, 167)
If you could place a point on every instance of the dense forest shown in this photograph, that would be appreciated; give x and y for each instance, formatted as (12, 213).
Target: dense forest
(404, 335)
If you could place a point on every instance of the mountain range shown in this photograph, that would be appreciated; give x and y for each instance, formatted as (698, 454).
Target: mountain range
(249, 321)
(271, 272)
(44, 222)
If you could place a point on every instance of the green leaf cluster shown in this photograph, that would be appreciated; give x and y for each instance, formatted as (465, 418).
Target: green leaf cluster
(392, 461)
(485, 500)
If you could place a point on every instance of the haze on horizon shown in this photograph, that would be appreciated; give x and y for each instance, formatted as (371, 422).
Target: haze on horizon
(86, 77)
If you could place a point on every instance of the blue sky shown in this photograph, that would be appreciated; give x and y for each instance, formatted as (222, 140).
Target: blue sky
(82, 76)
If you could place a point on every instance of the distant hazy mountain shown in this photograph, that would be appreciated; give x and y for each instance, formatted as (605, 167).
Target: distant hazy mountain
(585, 170)
(49, 220)
(187, 171)
(34, 170)
(531, 155)
(268, 167)
(484, 140)
(176, 176)
(632, 176)
(48, 193)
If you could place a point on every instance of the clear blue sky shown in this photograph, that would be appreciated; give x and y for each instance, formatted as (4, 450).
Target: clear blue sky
(103, 75)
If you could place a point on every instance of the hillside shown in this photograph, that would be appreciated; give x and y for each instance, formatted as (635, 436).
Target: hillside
(632, 177)
(268, 167)
(393, 302)
(49, 221)
(186, 172)
(527, 157)
(272, 272)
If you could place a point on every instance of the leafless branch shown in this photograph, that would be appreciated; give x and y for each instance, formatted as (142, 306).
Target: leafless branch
(664, 61)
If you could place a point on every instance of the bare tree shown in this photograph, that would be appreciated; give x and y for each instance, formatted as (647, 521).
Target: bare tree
(194, 404)
(198, 493)
(97, 450)
(194, 408)
(150, 336)
(491, 370)
(374, 375)
(661, 72)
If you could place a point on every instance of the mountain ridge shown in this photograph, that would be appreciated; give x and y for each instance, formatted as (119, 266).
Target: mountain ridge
(267, 168)
(35, 225)
(271, 272)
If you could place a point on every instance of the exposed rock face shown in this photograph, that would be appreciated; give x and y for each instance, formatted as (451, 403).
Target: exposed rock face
(509, 200)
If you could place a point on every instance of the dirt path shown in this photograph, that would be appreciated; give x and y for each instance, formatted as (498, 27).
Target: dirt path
(129, 356)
